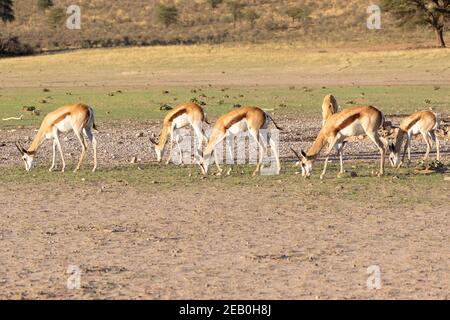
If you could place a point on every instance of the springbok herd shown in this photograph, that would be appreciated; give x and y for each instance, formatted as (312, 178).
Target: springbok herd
(337, 128)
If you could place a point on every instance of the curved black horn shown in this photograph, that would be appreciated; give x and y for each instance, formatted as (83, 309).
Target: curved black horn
(20, 147)
(296, 154)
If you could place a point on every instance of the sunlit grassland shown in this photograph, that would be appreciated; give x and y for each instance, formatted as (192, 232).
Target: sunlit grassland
(393, 187)
(225, 64)
(144, 104)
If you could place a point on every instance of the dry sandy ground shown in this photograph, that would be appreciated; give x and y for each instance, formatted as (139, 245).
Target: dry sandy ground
(193, 244)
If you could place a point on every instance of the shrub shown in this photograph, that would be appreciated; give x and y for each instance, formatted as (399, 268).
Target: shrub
(300, 14)
(215, 3)
(44, 4)
(13, 47)
(167, 15)
(251, 16)
(56, 17)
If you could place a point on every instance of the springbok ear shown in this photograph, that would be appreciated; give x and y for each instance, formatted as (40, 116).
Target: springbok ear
(391, 147)
(303, 153)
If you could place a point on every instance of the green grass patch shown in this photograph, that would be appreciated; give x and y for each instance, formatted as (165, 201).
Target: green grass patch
(397, 186)
(144, 104)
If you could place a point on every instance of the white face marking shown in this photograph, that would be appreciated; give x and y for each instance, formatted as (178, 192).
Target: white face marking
(394, 159)
(28, 161)
(306, 168)
(158, 152)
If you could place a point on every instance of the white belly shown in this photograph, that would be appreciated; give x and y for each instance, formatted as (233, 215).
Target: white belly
(240, 126)
(355, 129)
(64, 125)
(415, 129)
(181, 121)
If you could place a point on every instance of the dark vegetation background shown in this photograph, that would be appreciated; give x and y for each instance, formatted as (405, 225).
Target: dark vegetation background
(107, 23)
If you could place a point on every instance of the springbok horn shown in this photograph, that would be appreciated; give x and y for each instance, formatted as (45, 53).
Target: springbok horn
(296, 154)
(20, 147)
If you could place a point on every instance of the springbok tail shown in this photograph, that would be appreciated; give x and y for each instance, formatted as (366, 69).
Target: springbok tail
(274, 123)
(92, 119)
(205, 119)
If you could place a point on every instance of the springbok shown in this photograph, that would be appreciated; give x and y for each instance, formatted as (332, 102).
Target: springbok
(182, 116)
(76, 117)
(251, 119)
(349, 122)
(329, 107)
(423, 122)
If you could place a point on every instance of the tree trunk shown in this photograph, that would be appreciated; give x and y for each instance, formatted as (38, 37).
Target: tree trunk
(440, 37)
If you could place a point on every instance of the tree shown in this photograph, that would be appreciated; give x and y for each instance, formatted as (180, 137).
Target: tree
(44, 4)
(301, 14)
(434, 13)
(6, 10)
(235, 8)
(251, 16)
(215, 3)
(167, 14)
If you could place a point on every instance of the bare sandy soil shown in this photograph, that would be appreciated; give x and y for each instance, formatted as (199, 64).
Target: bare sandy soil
(210, 244)
(192, 242)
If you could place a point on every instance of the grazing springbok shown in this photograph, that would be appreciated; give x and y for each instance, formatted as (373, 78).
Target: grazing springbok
(76, 117)
(354, 121)
(329, 107)
(251, 119)
(423, 122)
(187, 114)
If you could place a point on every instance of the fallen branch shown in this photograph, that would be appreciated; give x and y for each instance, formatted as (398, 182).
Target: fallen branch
(13, 118)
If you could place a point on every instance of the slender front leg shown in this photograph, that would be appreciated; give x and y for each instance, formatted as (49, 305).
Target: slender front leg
(54, 157)
(325, 165)
(341, 159)
(404, 154)
(216, 160)
(330, 148)
(171, 146)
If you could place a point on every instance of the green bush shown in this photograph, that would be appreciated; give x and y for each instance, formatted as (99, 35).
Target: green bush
(44, 4)
(167, 15)
(56, 17)
(251, 16)
(215, 3)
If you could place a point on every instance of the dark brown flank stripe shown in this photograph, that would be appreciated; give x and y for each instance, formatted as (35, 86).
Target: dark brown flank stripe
(177, 114)
(347, 122)
(234, 121)
(60, 118)
(412, 123)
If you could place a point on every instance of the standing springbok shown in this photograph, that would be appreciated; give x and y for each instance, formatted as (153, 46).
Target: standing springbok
(76, 117)
(423, 122)
(182, 116)
(350, 122)
(251, 119)
(329, 107)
